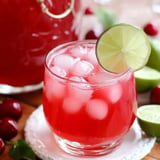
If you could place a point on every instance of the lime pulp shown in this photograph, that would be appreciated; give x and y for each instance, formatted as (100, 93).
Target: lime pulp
(149, 119)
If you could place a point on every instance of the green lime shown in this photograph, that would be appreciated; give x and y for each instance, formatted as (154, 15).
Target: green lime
(149, 119)
(121, 47)
(146, 79)
(154, 59)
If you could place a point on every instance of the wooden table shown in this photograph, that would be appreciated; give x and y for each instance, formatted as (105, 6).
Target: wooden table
(31, 101)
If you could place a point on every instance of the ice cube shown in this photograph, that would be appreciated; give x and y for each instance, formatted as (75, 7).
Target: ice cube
(82, 68)
(77, 79)
(97, 109)
(54, 88)
(91, 56)
(58, 71)
(71, 105)
(100, 77)
(78, 51)
(80, 89)
(114, 92)
(64, 62)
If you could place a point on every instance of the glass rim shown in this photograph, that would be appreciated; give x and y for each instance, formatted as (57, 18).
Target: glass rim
(109, 81)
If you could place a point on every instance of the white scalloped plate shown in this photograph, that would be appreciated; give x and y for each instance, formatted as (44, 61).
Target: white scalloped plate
(134, 146)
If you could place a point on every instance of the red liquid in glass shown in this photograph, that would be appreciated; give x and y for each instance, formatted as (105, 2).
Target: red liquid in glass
(26, 36)
(95, 114)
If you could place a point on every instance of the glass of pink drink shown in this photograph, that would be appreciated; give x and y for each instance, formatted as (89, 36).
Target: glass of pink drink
(88, 108)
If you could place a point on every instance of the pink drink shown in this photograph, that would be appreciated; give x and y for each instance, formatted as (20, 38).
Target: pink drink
(85, 104)
(26, 36)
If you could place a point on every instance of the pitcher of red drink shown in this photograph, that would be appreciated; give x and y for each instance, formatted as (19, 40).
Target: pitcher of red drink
(28, 30)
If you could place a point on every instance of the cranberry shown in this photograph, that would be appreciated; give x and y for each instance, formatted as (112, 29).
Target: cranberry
(88, 11)
(91, 35)
(2, 146)
(155, 95)
(151, 29)
(10, 108)
(8, 128)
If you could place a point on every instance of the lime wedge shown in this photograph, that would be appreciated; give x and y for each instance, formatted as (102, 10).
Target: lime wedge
(149, 119)
(121, 47)
(146, 79)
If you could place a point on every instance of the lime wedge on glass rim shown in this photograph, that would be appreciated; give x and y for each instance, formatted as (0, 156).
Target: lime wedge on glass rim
(149, 119)
(121, 47)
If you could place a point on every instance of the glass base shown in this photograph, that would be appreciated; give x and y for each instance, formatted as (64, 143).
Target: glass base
(77, 149)
(7, 89)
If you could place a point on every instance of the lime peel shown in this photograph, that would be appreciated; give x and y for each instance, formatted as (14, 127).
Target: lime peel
(154, 59)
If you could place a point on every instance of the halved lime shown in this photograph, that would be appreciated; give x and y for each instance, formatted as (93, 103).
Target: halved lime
(149, 119)
(121, 47)
(146, 79)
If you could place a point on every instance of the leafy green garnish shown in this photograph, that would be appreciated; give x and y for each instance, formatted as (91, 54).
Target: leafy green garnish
(158, 140)
(21, 150)
(106, 17)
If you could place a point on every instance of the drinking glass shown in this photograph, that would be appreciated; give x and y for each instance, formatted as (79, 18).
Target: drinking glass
(29, 29)
(88, 109)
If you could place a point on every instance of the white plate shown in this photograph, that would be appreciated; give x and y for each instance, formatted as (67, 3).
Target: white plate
(134, 146)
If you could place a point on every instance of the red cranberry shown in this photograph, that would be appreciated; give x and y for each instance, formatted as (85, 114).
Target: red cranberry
(10, 108)
(88, 11)
(2, 146)
(150, 29)
(155, 95)
(91, 35)
(8, 128)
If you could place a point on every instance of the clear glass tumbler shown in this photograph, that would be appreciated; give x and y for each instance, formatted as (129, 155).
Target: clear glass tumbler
(88, 109)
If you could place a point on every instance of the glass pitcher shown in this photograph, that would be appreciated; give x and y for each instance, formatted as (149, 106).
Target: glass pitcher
(28, 30)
